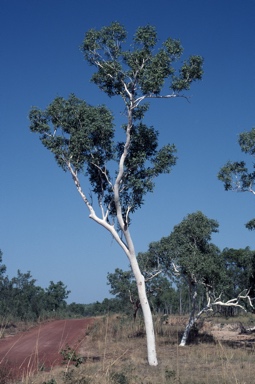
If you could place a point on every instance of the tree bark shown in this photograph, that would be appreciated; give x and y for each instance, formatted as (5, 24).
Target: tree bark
(192, 320)
(148, 321)
(128, 247)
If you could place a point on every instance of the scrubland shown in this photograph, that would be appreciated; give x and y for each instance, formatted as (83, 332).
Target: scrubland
(113, 351)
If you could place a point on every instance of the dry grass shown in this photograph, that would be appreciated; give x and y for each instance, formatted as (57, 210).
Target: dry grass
(114, 352)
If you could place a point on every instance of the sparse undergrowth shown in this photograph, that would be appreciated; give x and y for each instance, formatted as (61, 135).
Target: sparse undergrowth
(114, 352)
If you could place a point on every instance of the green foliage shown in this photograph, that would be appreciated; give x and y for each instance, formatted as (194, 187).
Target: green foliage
(56, 294)
(122, 284)
(86, 132)
(81, 136)
(161, 295)
(2, 266)
(84, 142)
(189, 247)
(235, 175)
(247, 142)
(22, 299)
(250, 225)
(70, 356)
(119, 378)
(112, 305)
(51, 381)
(188, 257)
(240, 266)
(27, 299)
(170, 375)
(141, 71)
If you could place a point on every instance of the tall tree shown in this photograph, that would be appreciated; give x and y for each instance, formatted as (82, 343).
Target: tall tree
(81, 136)
(236, 176)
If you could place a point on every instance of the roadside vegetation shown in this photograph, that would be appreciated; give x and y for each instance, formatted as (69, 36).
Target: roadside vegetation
(112, 350)
(113, 353)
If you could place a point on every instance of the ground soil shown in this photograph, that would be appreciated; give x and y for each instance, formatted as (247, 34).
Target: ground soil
(38, 348)
(231, 334)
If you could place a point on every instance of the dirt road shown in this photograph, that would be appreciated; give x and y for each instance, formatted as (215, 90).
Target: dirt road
(39, 348)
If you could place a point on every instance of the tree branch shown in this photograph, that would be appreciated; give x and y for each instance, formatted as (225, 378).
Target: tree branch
(244, 295)
(152, 277)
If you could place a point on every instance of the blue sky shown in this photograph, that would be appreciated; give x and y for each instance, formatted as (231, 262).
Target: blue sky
(44, 225)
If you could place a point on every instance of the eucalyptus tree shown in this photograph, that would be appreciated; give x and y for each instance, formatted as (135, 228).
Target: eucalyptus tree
(236, 176)
(81, 136)
(187, 255)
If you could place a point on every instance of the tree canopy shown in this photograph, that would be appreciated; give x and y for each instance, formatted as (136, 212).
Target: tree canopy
(81, 136)
(188, 257)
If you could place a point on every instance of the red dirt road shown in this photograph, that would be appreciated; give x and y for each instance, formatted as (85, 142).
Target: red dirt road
(39, 347)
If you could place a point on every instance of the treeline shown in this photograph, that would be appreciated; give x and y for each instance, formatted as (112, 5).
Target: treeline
(21, 299)
(181, 278)
(186, 273)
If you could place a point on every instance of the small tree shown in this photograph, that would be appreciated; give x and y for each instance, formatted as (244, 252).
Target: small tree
(56, 294)
(81, 136)
(236, 176)
(26, 301)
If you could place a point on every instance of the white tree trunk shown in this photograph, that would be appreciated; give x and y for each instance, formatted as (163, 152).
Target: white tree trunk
(187, 331)
(148, 321)
(192, 320)
(128, 249)
(209, 307)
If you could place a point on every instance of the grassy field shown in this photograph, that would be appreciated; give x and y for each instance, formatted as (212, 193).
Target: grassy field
(114, 351)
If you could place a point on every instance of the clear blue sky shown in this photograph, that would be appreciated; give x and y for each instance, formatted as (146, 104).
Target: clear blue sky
(44, 225)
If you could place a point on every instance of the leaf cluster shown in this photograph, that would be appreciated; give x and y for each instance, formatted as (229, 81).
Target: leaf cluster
(75, 131)
(235, 175)
(240, 266)
(81, 136)
(141, 70)
(21, 298)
